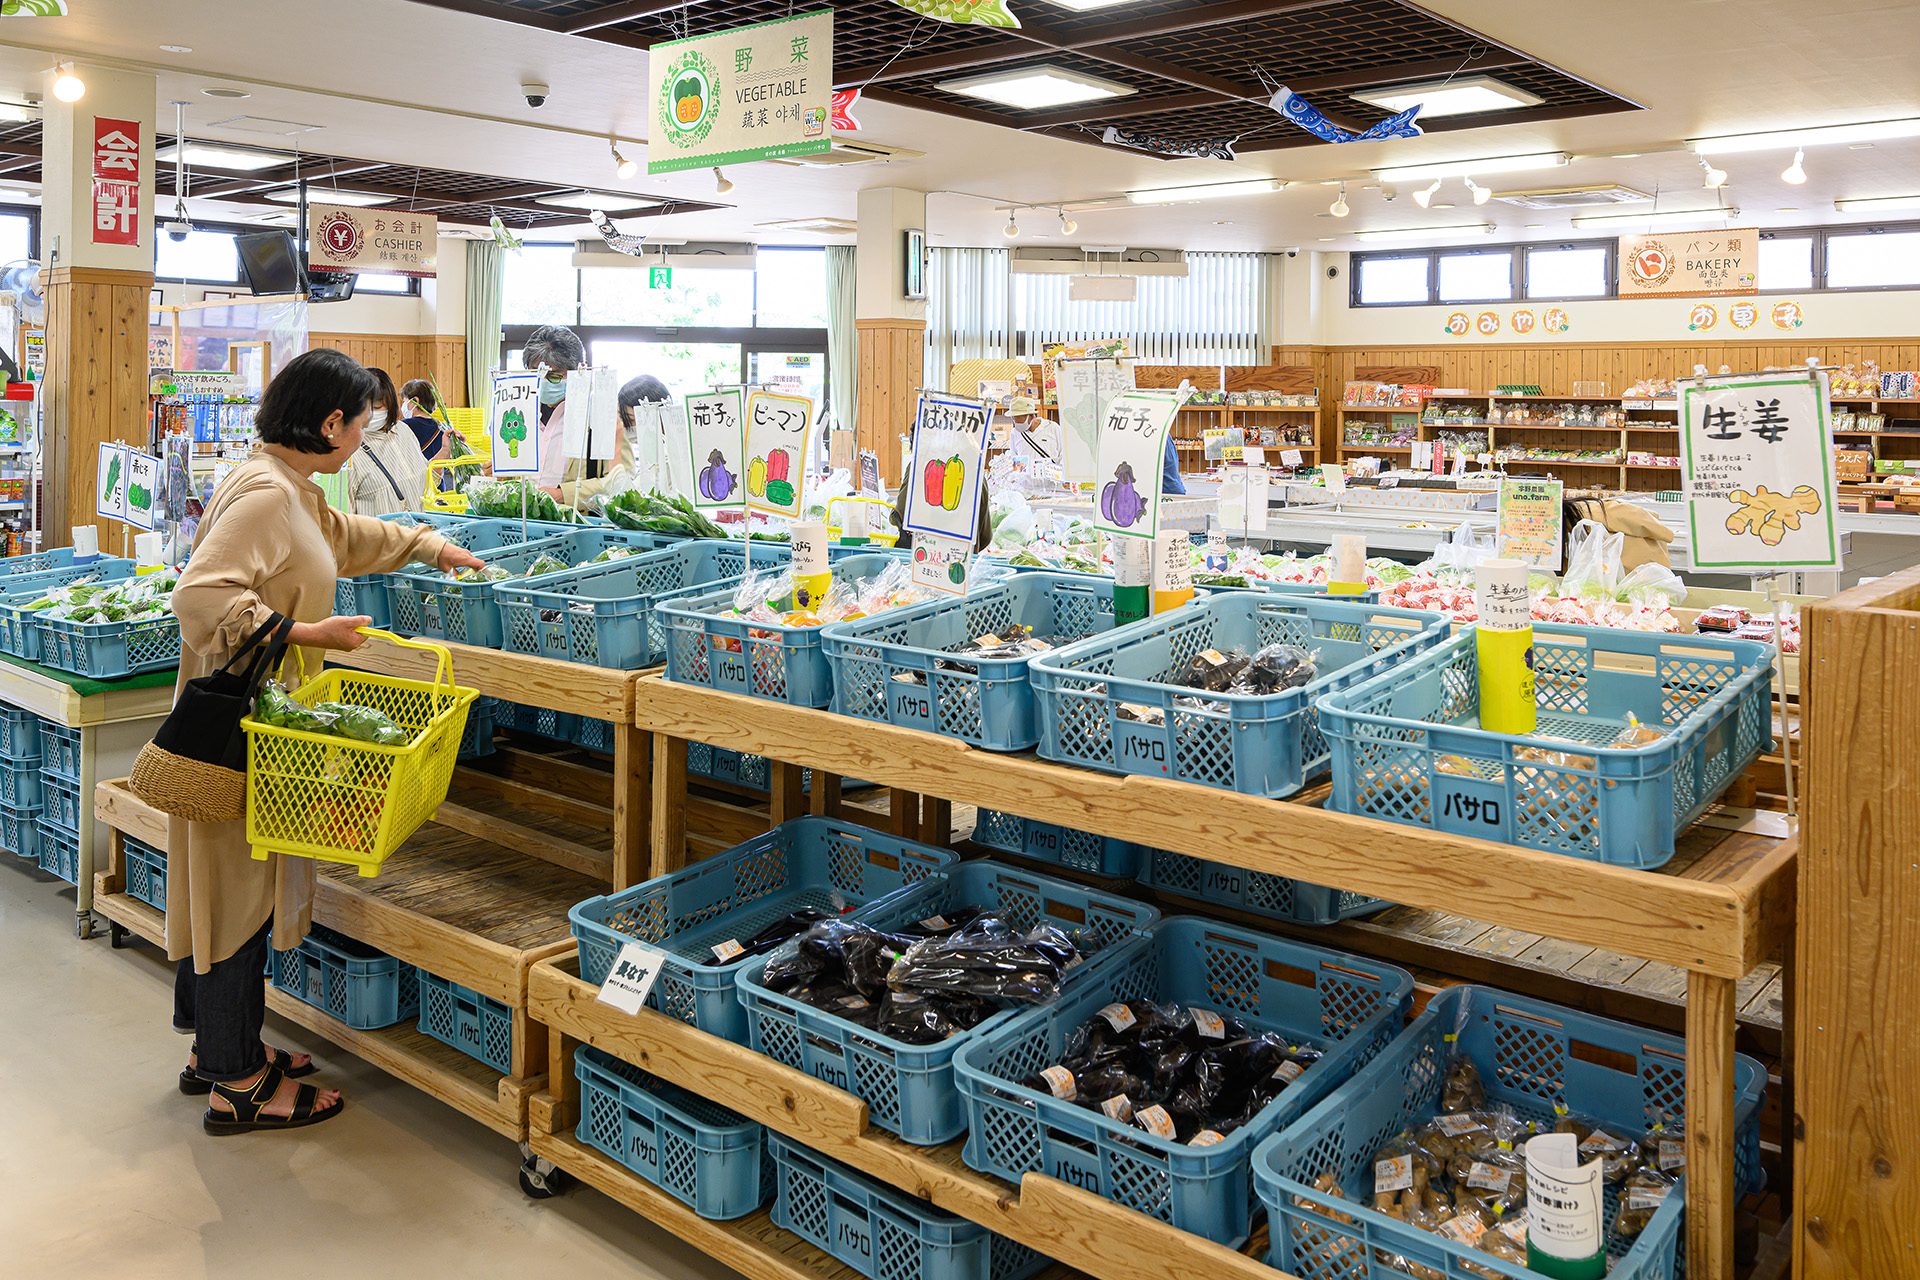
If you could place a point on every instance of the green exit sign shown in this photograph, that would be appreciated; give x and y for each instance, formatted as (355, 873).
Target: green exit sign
(659, 277)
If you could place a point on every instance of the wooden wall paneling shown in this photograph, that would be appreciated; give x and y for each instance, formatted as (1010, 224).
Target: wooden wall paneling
(1204, 377)
(95, 389)
(1857, 974)
(1293, 379)
(892, 359)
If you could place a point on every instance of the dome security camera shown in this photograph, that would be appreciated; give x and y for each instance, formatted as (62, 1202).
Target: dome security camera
(534, 93)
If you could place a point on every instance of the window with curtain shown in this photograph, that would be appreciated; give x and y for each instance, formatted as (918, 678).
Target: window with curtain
(966, 306)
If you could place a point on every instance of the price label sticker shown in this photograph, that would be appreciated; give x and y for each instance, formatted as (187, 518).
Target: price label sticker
(1288, 1071)
(727, 950)
(1489, 1177)
(1392, 1175)
(1118, 1107)
(1453, 1125)
(1673, 1154)
(1209, 1024)
(1059, 1083)
(633, 974)
(1206, 1138)
(1155, 1121)
(1118, 1016)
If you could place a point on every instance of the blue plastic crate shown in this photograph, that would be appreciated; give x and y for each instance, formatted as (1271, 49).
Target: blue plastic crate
(695, 1150)
(592, 733)
(741, 768)
(602, 614)
(59, 801)
(365, 988)
(20, 785)
(59, 851)
(1531, 1055)
(109, 650)
(807, 862)
(19, 625)
(146, 872)
(1063, 846)
(477, 1025)
(990, 706)
(1263, 745)
(19, 734)
(367, 595)
(20, 834)
(429, 603)
(59, 752)
(909, 1089)
(883, 1233)
(476, 739)
(1407, 747)
(364, 597)
(36, 562)
(1256, 892)
(1347, 1006)
(543, 722)
(762, 660)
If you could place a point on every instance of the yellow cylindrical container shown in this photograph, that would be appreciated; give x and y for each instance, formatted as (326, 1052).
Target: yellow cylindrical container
(1349, 574)
(1172, 570)
(1503, 641)
(812, 572)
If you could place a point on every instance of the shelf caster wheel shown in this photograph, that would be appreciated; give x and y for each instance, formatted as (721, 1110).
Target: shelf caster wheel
(83, 925)
(117, 935)
(541, 1180)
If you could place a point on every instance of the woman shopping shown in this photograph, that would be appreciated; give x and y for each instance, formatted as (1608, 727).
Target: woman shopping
(269, 548)
(388, 473)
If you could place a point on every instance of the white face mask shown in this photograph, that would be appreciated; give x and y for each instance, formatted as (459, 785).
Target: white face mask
(377, 420)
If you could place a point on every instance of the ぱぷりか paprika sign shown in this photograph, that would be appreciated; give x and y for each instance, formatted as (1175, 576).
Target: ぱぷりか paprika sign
(949, 453)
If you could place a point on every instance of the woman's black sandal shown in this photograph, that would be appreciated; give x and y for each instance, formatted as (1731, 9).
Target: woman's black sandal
(249, 1106)
(193, 1086)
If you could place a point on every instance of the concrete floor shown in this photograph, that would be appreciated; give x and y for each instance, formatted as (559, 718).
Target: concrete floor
(107, 1172)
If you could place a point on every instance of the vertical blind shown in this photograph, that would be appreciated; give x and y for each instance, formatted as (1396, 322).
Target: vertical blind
(1220, 312)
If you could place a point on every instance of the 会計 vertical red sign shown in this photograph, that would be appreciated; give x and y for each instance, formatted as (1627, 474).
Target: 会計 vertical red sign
(116, 181)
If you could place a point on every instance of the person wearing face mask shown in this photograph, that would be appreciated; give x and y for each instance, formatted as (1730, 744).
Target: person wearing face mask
(389, 473)
(557, 350)
(268, 552)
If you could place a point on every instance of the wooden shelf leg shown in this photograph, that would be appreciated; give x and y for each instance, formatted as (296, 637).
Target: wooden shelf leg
(529, 1046)
(1711, 1197)
(824, 799)
(903, 813)
(561, 1084)
(936, 821)
(632, 804)
(669, 804)
(786, 800)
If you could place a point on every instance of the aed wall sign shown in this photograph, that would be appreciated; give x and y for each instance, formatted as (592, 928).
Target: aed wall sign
(762, 92)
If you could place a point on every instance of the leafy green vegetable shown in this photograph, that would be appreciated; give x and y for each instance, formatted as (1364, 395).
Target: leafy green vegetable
(363, 724)
(546, 563)
(1220, 580)
(504, 498)
(656, 512)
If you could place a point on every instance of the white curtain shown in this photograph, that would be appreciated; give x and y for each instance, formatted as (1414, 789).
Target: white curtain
(966, 307)
(843, 341)
(1220, 312)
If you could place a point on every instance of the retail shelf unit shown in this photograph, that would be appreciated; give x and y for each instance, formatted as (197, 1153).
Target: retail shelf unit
(1718, 919)
(1293, 427)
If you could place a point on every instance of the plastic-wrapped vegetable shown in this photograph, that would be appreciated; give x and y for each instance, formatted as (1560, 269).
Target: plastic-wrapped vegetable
(987, 959)
(277, 707)
(363, 724)
(546, 563)
(485, 573)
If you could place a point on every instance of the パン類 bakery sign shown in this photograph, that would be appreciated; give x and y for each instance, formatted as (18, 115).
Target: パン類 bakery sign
(1690, 263)
(348, 241)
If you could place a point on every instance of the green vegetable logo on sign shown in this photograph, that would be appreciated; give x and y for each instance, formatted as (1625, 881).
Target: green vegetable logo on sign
(761, 92)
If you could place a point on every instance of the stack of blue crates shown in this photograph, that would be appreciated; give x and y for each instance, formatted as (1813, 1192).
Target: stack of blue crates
(20, 783)
(59, 815)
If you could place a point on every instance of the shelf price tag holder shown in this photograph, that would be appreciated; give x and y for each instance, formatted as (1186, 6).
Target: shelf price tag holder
(944, 476)
(634, 972)
(1129, 454)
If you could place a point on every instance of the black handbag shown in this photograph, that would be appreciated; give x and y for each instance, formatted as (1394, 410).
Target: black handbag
(196, 766)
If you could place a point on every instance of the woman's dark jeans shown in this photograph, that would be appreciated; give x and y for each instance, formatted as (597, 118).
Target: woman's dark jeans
(224, 1008)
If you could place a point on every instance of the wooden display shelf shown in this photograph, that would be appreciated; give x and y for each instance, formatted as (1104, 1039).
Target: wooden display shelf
(1072, 1226)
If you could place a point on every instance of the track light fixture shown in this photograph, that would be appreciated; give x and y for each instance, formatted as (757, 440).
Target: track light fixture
(1424, 198)
(1796, 173)
(721, 183)
(1480, 194)
(1339, 207)
(621, 165)
(67, 85)
(1012, 229)
(1067, 225)
(1715, 178)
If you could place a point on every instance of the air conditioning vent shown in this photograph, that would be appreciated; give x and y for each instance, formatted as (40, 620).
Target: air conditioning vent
(814, 226)
(1571, 197)
(845, 151)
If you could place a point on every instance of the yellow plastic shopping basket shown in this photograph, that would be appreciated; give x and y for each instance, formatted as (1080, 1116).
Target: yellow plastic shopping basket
(314, 795)
(452, 502)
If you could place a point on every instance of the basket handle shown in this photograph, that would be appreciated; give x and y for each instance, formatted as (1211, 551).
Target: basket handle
(443, 660)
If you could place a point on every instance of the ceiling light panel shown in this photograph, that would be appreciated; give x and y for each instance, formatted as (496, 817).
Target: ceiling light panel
(1627, 221)
(317, 195)
(1036, 88)
(594, 200)
(1877, 204)
(1419, 233)
(1478, 168)
(238, 158)
(1450, 98)
(1209, 191)
(1823, 135)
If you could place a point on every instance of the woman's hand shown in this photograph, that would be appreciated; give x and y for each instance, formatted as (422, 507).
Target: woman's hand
(338, 632)
(457, 557)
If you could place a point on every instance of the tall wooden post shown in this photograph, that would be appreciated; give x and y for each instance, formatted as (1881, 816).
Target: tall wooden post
(892, 328)
(1857, 973)
(97, 289)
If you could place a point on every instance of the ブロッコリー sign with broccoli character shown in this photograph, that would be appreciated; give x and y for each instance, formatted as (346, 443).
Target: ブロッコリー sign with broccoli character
(949, 456)
(513, 423)
(779, 429)
(1757, 472)
(1127, 458)
(716, 444)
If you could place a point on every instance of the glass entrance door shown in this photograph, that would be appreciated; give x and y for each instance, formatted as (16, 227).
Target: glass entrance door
(686, 367)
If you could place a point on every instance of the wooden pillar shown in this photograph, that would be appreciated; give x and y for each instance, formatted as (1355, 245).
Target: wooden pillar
(1856, 975)
(95, 389)
(892, 369)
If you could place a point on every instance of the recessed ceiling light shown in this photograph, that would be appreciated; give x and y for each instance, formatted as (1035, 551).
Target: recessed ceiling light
(1035, 88)
(1416, 233)
(1787, 210)
(226, 91)
(594, 200)
(1450, 97)
(1461, 168)
(1698, 216)
(315, 195)
(1860, 146)
(1823, 135)
(1440, 206)
(1626, 155)
(1223, 224)
(1534, 226)
(1875, 204)
(224, 157)
(1180, 195)
(174, 48)
(1326, 239)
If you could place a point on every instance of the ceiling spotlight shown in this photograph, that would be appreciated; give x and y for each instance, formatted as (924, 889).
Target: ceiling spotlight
(67, 86)
(1339, 206)
(1796, 173)
(1012, 228)
(1424, 198)
(721, 183)
(621, 165)
(1716, 178)
(1067, 225)
(1480, 194)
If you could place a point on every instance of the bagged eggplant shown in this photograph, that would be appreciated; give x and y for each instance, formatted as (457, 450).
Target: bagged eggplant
(789, 926)
(986, 958)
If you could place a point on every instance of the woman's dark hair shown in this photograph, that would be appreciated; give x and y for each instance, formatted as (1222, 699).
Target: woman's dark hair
(385, 396)
(306, 392)
(645, 389)
(420, 391)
